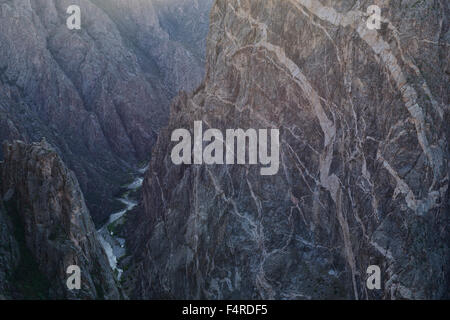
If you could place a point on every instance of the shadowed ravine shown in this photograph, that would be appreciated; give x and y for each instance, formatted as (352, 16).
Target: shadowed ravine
(113, 244)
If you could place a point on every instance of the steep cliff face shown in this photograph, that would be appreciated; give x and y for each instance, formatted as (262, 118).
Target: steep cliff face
(47, 229)
(99, 94)
(168, 36)
(9, 252)
(363, 118)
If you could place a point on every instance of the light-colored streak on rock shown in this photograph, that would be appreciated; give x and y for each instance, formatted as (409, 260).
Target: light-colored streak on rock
(382, 49)
(329, 182)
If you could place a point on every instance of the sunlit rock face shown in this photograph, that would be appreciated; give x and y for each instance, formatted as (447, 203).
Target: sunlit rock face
(101, 93)
(363, 118)
(47, 227)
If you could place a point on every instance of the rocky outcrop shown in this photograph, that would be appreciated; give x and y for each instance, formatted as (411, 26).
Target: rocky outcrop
(48, 228)
(363, 117)
(99, 94)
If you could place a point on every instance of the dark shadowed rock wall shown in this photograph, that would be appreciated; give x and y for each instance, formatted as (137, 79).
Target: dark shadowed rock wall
(46, 227)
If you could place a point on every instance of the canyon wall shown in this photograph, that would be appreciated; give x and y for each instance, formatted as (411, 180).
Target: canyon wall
(101, 93)
(9, 252)
(363, 117)
(46, 227)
